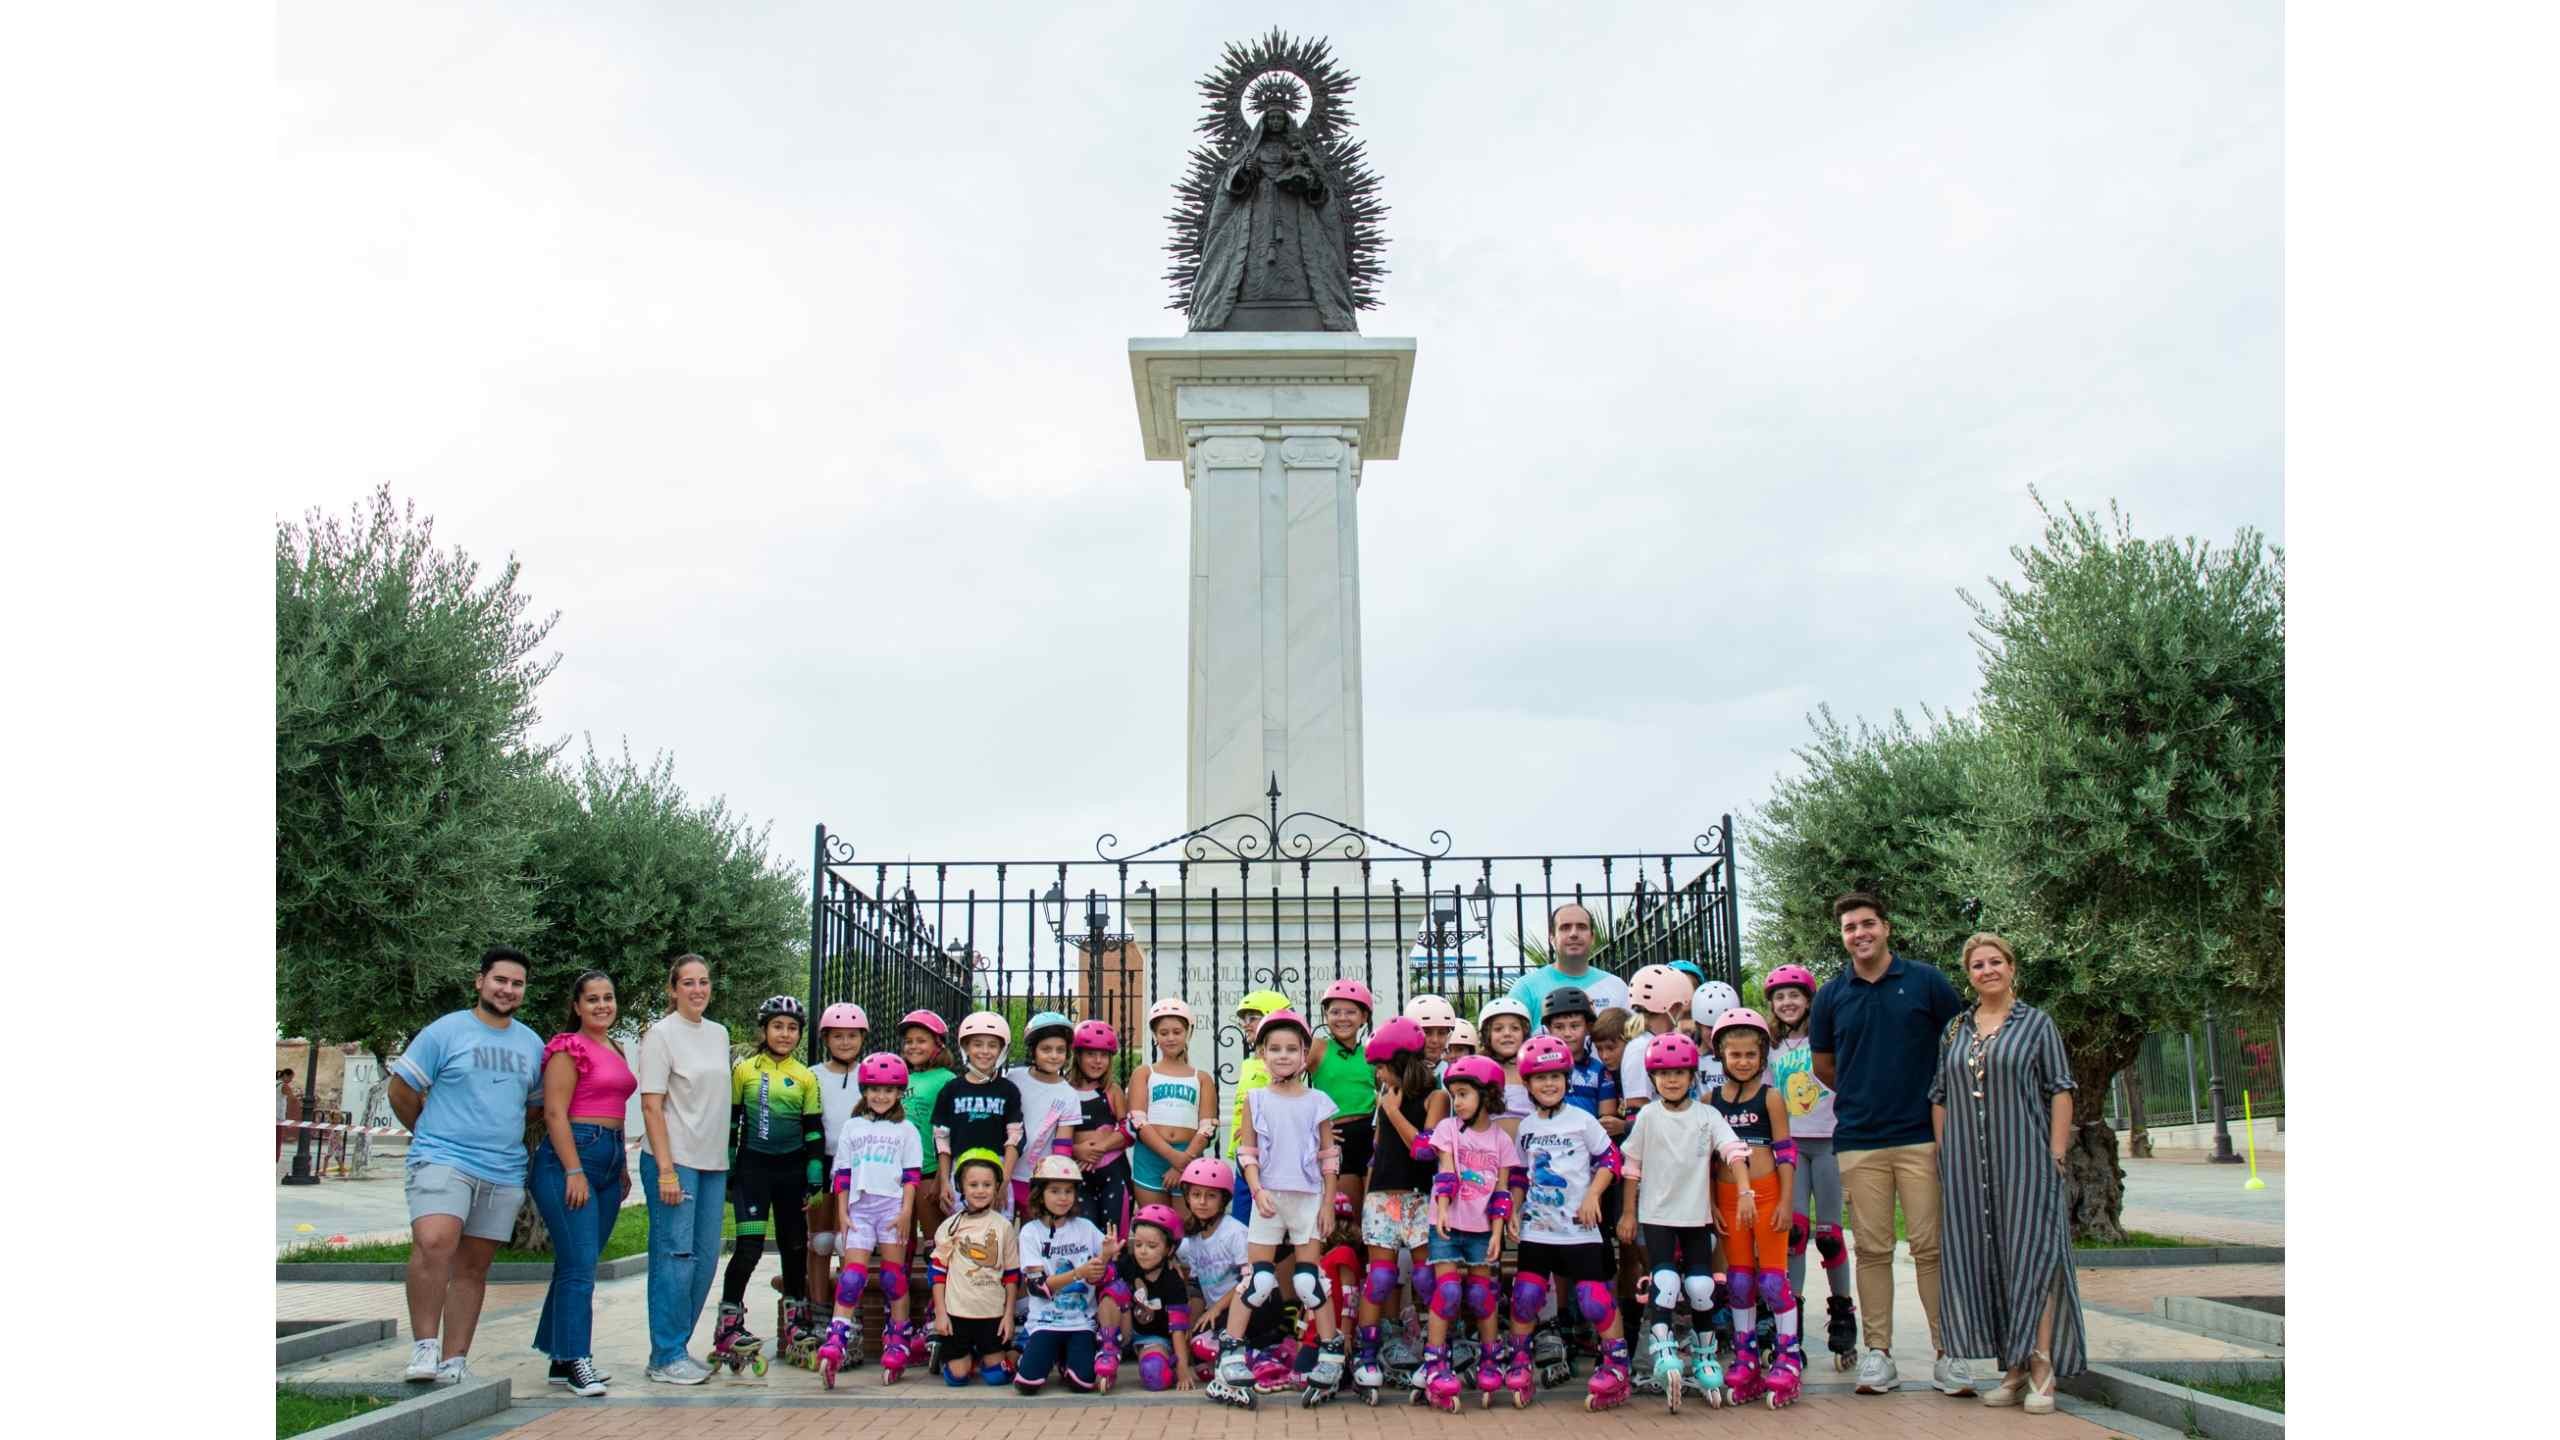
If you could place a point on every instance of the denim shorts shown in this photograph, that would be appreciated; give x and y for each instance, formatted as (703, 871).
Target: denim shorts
(1460, 1247)
(486, 1209)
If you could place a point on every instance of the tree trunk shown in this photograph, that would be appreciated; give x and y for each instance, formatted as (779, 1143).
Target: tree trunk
(2095, 1177)
(2138, 1118)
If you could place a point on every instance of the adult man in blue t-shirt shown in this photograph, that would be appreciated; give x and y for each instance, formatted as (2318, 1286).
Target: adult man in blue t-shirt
(1875, 1042)
(1569, 936)
(463, 1088)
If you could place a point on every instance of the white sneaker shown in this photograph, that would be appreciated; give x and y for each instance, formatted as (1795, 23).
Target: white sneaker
(454, 1371)
(424, 1356)
(684, 1370)
(1951, 1376)
(1876, 1375)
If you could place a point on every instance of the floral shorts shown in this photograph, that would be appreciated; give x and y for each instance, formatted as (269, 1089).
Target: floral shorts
(1396, 1219)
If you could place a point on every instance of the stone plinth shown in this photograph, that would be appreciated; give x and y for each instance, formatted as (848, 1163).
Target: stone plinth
(1272, 430)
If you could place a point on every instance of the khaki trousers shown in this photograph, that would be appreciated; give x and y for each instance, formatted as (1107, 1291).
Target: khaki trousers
(1871, 1181)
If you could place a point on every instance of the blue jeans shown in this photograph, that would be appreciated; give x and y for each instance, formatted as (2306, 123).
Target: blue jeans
(684, 1254)
(567, 1328)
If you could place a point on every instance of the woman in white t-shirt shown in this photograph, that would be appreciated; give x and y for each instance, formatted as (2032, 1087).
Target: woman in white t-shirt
(684, 1165)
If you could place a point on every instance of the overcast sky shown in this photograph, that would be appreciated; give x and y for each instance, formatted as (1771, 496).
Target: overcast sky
(786, 348)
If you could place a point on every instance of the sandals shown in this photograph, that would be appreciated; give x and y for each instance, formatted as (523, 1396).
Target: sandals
(2039, 1400)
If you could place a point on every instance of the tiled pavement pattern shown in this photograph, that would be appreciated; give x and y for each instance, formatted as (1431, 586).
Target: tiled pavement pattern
(386, 1301)
(2130, 1290)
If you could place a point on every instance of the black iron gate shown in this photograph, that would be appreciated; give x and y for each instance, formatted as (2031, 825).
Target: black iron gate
(1252, 902)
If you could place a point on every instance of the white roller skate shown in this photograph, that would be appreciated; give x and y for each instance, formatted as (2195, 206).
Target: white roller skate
(1233, 1384)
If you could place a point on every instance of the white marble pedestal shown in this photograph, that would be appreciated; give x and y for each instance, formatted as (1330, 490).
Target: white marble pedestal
(1273, 430)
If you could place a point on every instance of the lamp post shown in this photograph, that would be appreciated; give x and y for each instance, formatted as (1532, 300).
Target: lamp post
(302, 1171)
(1445, 936)
(1097, 935)
(2222, 1153)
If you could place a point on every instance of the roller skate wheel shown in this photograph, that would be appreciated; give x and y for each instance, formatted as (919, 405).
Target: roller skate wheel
(759, 1366)
(1519, 1399)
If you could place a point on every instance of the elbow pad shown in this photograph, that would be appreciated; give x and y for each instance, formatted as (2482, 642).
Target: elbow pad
(1629, 1167)
(1248, 1154)
(1329, 1160)
(1445, 1183)
(934, 1273)
(1117, 1292)
(1013, 1277)
(844, 1181)
(1498, 1205)
(1062, 1147)
(1784, 1152)
(1177, 1317)
(1013, 1137)
(1421, 1148)
(1737, 1153)
(1137, 1121)
(911, 1176)
(1609, 1160)
(1519, 1177)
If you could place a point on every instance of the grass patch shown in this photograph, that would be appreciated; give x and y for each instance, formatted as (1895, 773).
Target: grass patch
(299, 1410)
(2143, 1240)
(630, 1237)
(2265, 1394)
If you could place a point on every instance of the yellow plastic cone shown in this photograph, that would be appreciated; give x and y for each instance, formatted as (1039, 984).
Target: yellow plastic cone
(306, 1228)
(2250, 1122)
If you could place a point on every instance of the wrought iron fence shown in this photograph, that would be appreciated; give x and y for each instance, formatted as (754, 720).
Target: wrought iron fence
(1269, 901)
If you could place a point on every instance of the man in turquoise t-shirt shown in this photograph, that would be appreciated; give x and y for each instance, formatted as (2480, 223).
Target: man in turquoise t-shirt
(1569, 940)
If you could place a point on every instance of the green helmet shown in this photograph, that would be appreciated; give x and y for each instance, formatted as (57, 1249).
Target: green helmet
(1263, 1002)
(979, 1156)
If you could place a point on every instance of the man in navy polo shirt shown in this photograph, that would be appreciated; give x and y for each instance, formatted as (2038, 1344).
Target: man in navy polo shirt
(1875, 1042)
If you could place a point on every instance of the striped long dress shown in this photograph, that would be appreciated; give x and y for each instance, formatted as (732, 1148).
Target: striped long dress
(2004, 1233)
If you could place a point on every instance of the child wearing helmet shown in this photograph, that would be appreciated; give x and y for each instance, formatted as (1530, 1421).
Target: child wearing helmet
(1753, 1212)
(1251, 1075)
(976, 1267)
(1212, 1248)
(1661, 996)
(1567, 1164)
(879, 1162)
(1470, 1201)
(1341, 1071)
(1810, 1123)
(1290, 1161)
(1173, 1106)
(1462, 1042)
(920, 1043)
(1051, 1108)
(979, 1109)
(1504, 1024)
(1145, 1292)
(777, 1155)
(1665, 1160)
(1438, 1019)
(842, 1029)
(1065, 1259)
(1395, 1215)
(1102, 1139)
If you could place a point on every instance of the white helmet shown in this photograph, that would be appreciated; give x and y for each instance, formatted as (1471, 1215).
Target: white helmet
(986, 1022)
(1462, 1033)
(1713, 999)
(1504, 1006)
(1430, 1012)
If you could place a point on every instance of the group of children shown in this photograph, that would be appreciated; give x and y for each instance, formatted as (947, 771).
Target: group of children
(1381, 1175)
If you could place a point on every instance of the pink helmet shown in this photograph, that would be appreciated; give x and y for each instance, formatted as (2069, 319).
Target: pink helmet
(1343, 1209)
(925, 1018)
(1280, 1019)
(843, 1015)
(1786, 975)
(881, 1068)
(1543, 1055)
(1738, 1019)
(1210, 1172)
(1476, 1070)
(1671, 1051)
(1398, 1037)
(1161, 1217)
(1171, 1007)
(1351, 990)
(1095, 1035)
(1656, 989)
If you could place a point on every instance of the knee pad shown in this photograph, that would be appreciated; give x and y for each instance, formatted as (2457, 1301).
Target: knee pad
(1596, 1302)
(1382, 1283)
(1445, 1296)
(1701, 1290)
(1775, 1293)
(893, 1279)
(1479, 1296)
(1744, 1286)
(1799, 1229)
(1155, 1370)
(1264, 1284)
(1528, 1294)
(1826, 1239)
(849, 1284)
(822, 1242)
(1309, 1283)
(1666, 1287)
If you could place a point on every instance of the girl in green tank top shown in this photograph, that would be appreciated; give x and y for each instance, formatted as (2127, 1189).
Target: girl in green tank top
(1341, 1071)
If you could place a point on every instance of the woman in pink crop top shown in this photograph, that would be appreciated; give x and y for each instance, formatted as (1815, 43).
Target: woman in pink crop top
(579, 1174)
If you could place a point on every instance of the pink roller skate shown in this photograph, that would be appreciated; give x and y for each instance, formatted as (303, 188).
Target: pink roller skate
(1106, 1361)
(897, 1350)
(1204, 1357)
(1612, 1382)
(1785, 1380)
(1435, 1384)
(1521, 1376)
(1743, 1382)
(831, 1351)
(1273, 1371)
(1489, 1368)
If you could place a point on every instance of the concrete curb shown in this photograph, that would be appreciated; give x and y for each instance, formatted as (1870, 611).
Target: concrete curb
(2221, 1321)
(2169, 1403)
(298, 1340)
(2177, 1255)
(433, 1410)
(321, 1272)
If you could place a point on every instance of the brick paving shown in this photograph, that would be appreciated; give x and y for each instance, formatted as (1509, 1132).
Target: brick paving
(2131, 1290)
(388, 1300)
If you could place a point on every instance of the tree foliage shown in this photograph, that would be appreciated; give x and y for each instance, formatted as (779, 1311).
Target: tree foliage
(631, 873)
(404, 711)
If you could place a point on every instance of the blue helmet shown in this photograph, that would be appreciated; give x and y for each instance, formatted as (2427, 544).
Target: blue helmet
(1690, 969)
(1040, 1026)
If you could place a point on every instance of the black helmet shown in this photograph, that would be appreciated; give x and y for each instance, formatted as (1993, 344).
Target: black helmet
(1570, 1000)
(780, 1005)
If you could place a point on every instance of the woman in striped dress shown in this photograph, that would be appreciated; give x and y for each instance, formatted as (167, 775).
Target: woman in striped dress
(2001, 1106)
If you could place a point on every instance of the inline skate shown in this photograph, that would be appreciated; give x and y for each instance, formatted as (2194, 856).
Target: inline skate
(1743, 1382)
(1434, 1383)
(1553, 1358)
(1106, 1361)
(733, 1345)
(1663, 1364)
(1325, 1380)
(1610, 1385)
(1521, 1377)
(898, 1344)
(1367, 1375)
(1233, 1382)
(1840, 1333)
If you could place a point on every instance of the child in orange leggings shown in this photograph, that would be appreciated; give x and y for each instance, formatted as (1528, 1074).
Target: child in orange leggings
(1755, 1219)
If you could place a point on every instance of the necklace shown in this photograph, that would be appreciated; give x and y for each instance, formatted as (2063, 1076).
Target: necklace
(1977, 1053)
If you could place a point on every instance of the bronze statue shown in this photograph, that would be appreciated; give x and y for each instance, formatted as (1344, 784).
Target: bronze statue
(1278, 225)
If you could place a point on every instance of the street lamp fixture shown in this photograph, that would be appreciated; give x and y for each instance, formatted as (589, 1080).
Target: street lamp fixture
(1480, 900)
